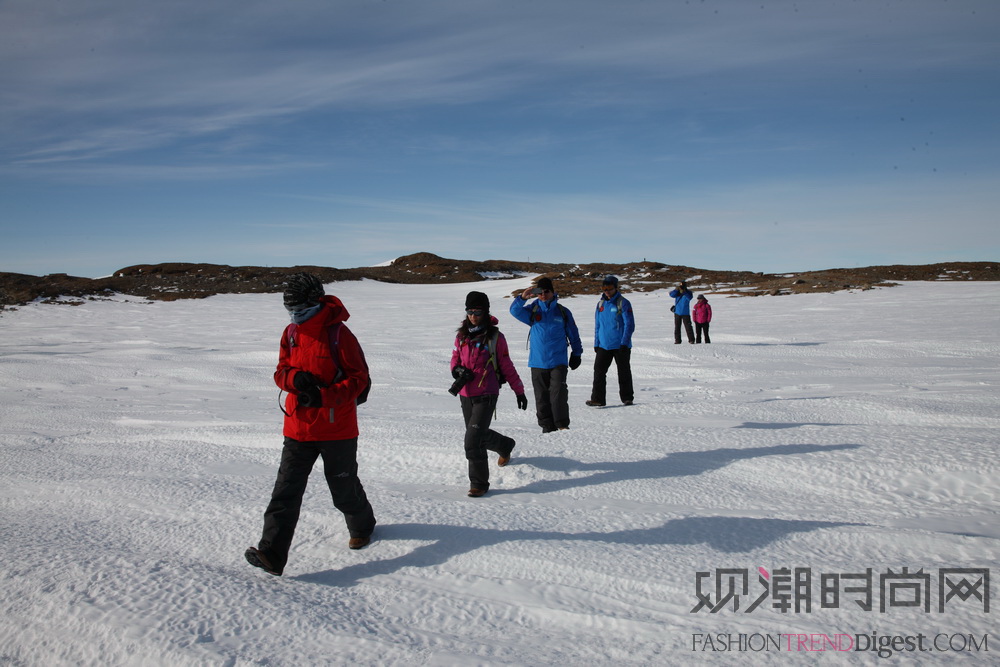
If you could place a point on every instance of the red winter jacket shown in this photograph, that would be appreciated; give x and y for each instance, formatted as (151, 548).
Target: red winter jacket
(309, 350)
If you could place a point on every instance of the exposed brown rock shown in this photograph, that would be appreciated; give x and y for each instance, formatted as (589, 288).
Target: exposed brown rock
(172, 281)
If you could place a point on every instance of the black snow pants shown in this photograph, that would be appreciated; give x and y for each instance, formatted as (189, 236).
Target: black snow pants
(340, 467)
(480, 438)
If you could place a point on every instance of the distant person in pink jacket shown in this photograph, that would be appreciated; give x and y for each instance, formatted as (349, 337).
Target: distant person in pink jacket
(702, 315)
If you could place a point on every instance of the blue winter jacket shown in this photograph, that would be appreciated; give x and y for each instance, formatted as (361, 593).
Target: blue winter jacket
(682, 302)
(613, 322)
(551, 327)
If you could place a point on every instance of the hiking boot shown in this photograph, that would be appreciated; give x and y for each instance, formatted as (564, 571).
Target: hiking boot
(595, 404)
(626, 402)
(257, 559)
(476, 493)
(504, 459)
(359, 542)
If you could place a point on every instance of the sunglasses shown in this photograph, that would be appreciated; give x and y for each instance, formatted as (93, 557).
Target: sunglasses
(475, 311)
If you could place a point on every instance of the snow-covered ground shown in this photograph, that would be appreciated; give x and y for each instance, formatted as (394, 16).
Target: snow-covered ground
(834, 432)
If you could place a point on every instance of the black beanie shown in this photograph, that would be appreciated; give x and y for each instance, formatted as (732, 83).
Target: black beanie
(546, 283)
(477, 301)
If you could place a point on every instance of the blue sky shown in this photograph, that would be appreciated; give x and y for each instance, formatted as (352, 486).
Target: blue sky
(720, 134)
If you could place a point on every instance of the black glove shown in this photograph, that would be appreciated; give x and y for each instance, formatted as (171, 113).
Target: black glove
(574, 362)
(522, 402)
(304, 381)
(458, 371)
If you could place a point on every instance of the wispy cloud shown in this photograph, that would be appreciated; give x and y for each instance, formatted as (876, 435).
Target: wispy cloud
(119, 77)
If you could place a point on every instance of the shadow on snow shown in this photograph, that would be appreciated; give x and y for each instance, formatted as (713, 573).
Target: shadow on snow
(722, 533)
(726, 534)
(675, 464)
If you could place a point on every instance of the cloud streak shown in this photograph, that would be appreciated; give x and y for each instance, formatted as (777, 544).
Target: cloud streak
(132, 76)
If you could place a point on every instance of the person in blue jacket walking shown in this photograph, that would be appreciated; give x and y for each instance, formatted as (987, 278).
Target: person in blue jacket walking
(613, 328)
(553, 330)
(682, 312)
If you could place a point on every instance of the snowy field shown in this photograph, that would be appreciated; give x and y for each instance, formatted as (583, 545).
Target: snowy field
(830, 432)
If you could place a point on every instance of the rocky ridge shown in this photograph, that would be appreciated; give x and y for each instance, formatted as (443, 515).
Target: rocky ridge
(171, 281)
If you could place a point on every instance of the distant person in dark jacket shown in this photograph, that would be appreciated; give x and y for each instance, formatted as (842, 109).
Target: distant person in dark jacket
(553, 330)
(321, 420)
(682, 312)
(702, 315)
(613, 328)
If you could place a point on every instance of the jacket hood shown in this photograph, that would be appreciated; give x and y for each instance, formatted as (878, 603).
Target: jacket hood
(335, 311)
(550, 303)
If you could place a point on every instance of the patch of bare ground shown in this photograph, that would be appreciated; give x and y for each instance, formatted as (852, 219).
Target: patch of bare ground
(170, 281)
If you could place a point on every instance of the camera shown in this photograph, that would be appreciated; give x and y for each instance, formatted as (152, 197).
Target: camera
(536, 290)
(310, 398)
(462, 375)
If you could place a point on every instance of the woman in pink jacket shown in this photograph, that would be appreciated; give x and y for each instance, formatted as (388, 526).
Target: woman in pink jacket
(480, 363)
(702, 315)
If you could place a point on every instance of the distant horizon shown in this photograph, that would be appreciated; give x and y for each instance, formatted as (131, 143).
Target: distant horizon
(507, 259)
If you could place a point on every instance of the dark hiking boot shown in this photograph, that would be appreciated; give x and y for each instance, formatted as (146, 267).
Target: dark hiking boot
(359, 542)
(257, 559)
(476, 493)
(595, 404)
(626, 402)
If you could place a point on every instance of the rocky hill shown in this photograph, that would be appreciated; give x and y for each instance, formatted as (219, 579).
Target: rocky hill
(193, 281)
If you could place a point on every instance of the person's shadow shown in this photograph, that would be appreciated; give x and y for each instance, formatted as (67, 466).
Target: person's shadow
(675, 464)
(723, 533)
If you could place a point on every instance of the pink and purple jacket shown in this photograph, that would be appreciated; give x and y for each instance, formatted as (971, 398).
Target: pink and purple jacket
(474, 354)
(702, 312)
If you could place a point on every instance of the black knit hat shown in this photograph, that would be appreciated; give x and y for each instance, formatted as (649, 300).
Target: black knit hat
(302, 290)
(610, 280)
(477, 301)
(546, 284)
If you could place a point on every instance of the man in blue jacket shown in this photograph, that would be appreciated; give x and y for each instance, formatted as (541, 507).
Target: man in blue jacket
(613, 327)
(552, 331)
(682, 312)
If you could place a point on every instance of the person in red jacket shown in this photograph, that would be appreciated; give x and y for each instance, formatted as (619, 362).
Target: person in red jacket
(321, 366)
(478, 361)
(702, 315)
